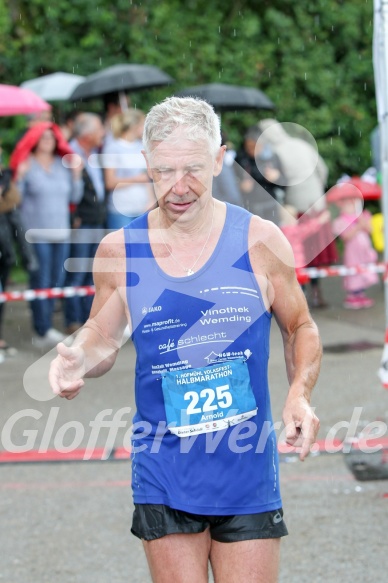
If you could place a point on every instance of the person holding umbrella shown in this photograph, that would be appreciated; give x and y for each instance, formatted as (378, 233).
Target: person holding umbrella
(47, 188)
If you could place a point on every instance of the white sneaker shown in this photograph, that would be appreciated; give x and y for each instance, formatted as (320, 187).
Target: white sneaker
(7, 350)
(49, 340)
(42, 342)
(55, 335)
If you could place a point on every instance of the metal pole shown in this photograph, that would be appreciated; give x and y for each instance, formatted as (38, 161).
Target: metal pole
(383, 115)
(380, 63)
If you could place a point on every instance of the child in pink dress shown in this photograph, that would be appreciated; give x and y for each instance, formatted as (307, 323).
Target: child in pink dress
(353, 225)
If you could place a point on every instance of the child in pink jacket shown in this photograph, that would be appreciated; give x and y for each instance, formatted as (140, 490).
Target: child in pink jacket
(353, 225)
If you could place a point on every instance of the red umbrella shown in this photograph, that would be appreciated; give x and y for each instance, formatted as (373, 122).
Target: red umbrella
(369, 190)
(354, 187)
(18, 101)
(343, 190)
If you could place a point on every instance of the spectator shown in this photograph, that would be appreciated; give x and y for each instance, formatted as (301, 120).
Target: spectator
(47, 187)
(126, 181)
(114, 104)
(67, 125)
(304, 176)
(258, 171)
(353, 225)
(225, 186)
(88, 218)
(9, 199)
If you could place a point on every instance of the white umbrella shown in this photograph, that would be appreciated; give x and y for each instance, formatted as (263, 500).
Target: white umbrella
(380, 65)
(54, 87)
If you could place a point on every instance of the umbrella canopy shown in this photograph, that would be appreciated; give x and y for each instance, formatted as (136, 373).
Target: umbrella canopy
(225, 97)
(369, 190)
(121, 78)
(55, 87)
(343, 191)
(18, 101)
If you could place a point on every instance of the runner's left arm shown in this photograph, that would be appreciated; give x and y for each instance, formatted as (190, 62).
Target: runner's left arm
(272, 256)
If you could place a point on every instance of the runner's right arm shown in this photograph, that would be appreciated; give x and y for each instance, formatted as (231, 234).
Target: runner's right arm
(96, 345)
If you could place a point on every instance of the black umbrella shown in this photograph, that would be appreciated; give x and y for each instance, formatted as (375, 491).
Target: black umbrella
(225, 97)
(119, 78)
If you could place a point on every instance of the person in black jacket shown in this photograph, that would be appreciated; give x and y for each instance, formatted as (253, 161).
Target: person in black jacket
(12, 232)
(258, 171)
(88, 218)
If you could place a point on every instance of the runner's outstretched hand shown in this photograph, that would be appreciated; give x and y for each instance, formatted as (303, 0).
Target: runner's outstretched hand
(67, 371)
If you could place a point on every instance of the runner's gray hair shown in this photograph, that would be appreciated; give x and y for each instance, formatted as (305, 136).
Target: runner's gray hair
(196, 116)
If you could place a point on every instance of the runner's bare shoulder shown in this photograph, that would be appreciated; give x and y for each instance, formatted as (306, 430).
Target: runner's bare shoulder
(110, 261)
(269, 249)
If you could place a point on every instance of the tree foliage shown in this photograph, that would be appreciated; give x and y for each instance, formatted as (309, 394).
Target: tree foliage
(312, 58)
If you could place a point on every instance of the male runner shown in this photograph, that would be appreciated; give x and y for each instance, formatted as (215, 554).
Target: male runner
(198, 281)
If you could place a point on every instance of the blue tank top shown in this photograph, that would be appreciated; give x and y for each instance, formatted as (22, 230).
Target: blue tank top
(208, 321)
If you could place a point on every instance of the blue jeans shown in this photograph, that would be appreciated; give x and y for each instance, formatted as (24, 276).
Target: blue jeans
(51, 273)
(83, 249)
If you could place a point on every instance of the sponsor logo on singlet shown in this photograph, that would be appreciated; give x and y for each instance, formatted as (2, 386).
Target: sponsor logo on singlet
(151, 309)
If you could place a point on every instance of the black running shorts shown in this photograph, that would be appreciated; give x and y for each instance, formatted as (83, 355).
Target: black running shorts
(152, 521)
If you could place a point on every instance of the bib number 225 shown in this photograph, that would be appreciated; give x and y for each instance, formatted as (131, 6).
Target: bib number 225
(220, 397)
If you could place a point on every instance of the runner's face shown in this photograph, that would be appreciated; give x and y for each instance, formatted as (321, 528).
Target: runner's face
(182, 171)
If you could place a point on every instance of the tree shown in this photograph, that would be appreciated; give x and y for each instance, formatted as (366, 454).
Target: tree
(313, 59)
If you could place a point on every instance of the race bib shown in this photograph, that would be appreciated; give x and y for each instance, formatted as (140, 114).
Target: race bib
(200, 400)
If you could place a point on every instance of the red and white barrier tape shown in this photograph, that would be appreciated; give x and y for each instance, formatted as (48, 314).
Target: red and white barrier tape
(340, 270)
(44, 294)
(303, 274)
